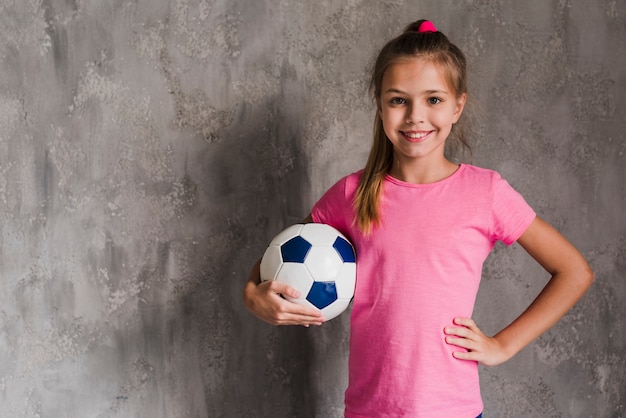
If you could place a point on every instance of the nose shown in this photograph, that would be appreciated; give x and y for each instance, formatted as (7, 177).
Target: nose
(414, 114)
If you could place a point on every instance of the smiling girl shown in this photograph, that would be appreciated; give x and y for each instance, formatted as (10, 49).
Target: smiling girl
(422, 227)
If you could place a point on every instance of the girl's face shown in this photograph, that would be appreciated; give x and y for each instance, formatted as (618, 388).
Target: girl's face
(417, 109)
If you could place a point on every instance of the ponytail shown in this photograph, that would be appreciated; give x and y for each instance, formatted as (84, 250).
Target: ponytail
(420, 39)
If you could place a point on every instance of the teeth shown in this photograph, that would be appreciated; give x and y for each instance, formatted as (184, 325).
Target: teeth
(416, 135)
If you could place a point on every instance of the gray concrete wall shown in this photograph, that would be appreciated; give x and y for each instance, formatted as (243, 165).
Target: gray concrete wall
(150, 149)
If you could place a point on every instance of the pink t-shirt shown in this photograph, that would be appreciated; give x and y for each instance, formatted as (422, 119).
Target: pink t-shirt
(415, 274)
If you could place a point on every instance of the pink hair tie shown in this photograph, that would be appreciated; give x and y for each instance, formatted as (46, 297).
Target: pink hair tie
(427, 26)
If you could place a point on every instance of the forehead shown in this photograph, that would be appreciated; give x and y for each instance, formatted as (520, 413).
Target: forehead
(416, 74)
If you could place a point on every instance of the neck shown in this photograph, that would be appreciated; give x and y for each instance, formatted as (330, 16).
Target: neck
(422, 172)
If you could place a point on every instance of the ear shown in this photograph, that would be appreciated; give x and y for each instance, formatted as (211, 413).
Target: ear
(460, 105)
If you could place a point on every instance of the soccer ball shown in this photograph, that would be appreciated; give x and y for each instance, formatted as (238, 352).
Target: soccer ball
(318, 261)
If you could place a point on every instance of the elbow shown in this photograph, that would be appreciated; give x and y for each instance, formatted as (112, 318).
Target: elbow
(579, 276)
(246, 295)
(590, 276)
(585, 277)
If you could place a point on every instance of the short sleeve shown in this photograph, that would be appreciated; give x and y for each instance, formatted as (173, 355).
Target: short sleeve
(335, 207)
(511, 213)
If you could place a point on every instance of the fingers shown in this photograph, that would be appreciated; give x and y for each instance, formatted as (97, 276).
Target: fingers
(479, 347)
(467, 329)
(292, 318)
(271, 307)
(283, 289)
(290, 313)
(467, 335)
(265, 301)
(466, 323)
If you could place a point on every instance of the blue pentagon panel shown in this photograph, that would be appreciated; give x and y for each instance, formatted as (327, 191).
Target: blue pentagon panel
(295, 250)
(345, 250)
(322, 294)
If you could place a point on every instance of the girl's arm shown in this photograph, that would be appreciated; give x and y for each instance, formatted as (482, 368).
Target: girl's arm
(571, 277)
(264, 300)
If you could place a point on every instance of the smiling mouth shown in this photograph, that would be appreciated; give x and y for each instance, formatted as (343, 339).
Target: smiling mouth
(415, 136)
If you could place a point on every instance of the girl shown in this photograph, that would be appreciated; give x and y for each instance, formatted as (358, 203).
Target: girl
(422, 227)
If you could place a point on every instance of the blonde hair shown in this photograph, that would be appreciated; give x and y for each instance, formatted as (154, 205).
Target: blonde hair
(435, 48)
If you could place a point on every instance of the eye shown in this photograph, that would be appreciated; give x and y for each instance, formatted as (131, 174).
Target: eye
(433, 100)
(397, 101)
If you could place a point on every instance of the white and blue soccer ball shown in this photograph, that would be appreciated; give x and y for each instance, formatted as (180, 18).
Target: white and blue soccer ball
(318, 261)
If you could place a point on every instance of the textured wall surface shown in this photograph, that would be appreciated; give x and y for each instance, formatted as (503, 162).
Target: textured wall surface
(150, 149)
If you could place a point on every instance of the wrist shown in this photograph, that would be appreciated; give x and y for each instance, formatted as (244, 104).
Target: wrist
(507, 347)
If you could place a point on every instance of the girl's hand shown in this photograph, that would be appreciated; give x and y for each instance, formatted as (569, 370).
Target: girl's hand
(264, 300)
(480, 348)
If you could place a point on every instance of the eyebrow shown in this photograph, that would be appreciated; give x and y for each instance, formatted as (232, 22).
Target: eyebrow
(393, 90)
